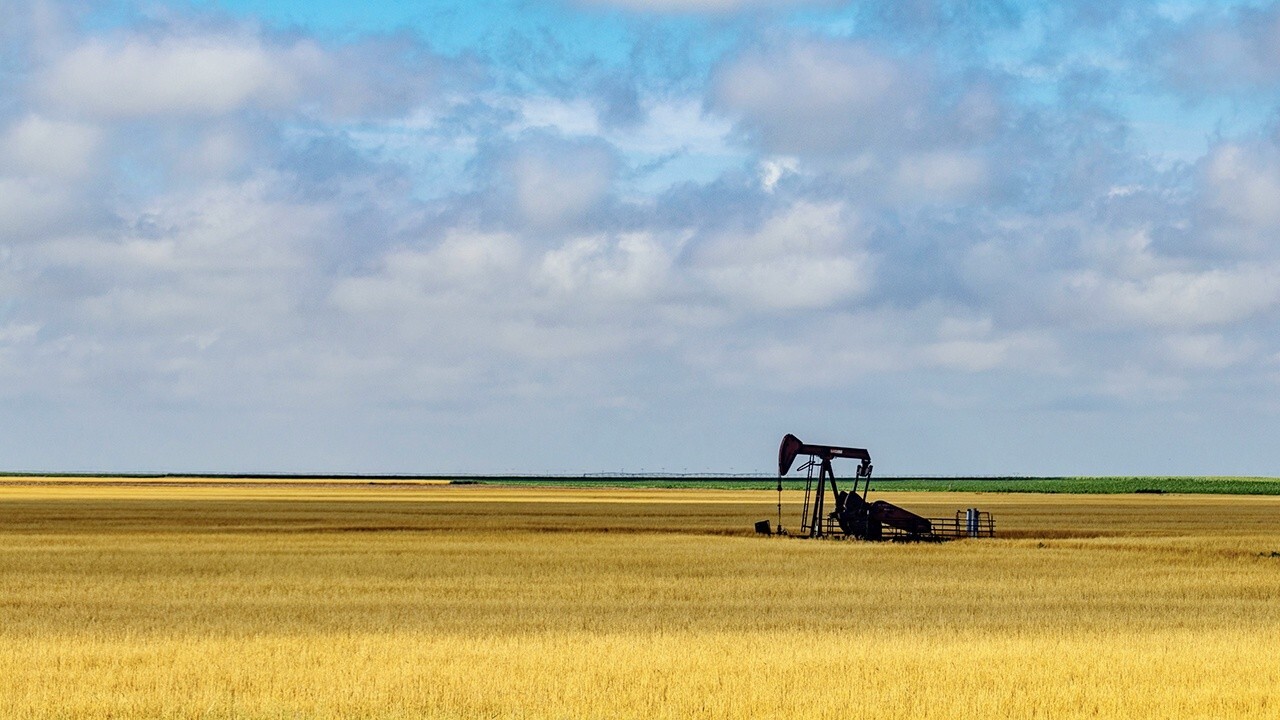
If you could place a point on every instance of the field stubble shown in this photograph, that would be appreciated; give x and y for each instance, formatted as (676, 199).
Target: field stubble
(272, 601)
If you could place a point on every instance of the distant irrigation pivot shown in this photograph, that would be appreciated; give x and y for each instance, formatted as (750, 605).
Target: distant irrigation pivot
(852, 515)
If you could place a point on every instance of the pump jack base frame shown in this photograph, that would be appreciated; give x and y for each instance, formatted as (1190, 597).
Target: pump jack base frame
(853, 516)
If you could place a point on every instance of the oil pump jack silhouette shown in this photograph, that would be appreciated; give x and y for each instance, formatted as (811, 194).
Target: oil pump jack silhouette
(852, 515)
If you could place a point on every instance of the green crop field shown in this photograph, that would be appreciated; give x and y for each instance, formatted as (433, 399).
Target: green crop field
(1051, 485)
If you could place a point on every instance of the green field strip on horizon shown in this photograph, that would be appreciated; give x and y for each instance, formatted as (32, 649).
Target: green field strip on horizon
(1065, 485)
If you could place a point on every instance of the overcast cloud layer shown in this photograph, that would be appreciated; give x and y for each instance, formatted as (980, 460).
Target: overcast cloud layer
(610, 235)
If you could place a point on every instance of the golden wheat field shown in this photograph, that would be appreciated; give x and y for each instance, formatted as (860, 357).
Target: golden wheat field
(317, 600)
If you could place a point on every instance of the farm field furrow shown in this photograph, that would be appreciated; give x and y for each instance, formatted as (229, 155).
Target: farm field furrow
(476, 601)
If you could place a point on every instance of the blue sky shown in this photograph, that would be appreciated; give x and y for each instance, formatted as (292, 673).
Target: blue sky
(612, 235)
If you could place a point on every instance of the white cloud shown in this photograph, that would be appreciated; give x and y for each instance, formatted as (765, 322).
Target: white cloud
(821, 96)
(1134, 382)
(675, 124)
(29, 208)
(492, 298)
(790, 282)
(556, 181)
(575, 117)
(16, 333)
(1223, 53)
(200, 76)
(801, 258)
(40, 146)
(1243, 183)
(185, 75)
(944, 175)
(774, 169)
(229, 261)
(896, 122)
(851, 350)
(1184, 300)
(462, 270)
(976, 344)
(1206, 350)
(838, 350)
(219, 151)
(634, 266)
(1018, 351)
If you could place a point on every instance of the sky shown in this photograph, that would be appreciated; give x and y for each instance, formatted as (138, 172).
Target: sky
(591, 236)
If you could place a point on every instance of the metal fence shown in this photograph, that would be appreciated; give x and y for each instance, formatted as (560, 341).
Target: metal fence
(970, 523)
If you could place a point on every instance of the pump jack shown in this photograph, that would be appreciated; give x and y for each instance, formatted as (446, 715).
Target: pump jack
(853, 515)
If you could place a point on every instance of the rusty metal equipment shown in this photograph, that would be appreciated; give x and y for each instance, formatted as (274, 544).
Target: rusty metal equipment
(851, 515)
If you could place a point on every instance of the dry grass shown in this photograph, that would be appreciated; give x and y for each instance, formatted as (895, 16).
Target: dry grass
(326, 601)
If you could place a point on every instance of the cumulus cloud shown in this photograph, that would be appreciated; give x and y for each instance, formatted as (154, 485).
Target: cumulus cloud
(804, 257)
(228, 263)
(181, 76)
(1184, 300)
(479, 299)
(198, 75)
(942, 174)
(814, 96)
(1215, 53)
(822, 96)
(774, 169)
(1207, 350)
(1241, 182)
(632, 266)
(832, 350)
(27, 208)
(469, 266)
(1017, 351)
(552, 181)
(44, 147)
